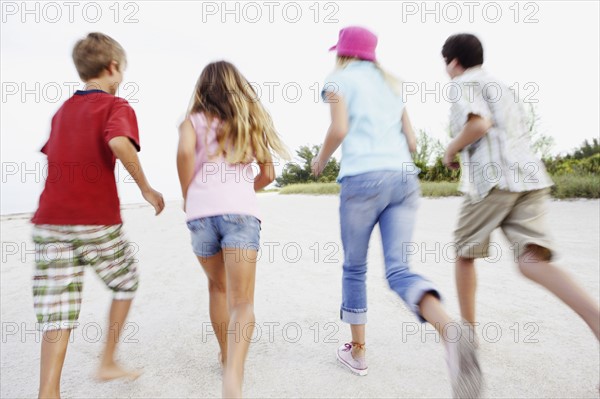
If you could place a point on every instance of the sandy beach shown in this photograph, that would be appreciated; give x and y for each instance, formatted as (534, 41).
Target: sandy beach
(532, 345)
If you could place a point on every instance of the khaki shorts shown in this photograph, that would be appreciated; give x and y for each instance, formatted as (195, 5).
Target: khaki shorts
(521, 216)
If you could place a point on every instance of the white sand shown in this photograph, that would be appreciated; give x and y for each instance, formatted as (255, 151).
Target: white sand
(167, 331)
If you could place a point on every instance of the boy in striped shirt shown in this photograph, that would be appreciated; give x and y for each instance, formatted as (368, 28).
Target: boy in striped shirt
(504, 184)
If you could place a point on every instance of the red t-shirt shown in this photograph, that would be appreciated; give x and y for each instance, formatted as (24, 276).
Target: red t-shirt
(80, 183)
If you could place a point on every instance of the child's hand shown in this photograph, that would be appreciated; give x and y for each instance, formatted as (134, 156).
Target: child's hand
(155, 199)
(316, 166)
(449, 159)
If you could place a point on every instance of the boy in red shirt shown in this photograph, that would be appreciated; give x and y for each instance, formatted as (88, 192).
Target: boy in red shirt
(78, 220)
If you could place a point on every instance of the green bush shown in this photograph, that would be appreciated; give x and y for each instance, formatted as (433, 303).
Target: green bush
(567, 166)
(299, 171)
(439, 173)
(586, 149)
(576, 175)
(576, 186)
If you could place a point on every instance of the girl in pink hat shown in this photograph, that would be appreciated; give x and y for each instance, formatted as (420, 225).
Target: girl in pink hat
(379, 185)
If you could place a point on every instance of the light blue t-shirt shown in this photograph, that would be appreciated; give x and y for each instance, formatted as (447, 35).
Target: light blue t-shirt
(375, 141)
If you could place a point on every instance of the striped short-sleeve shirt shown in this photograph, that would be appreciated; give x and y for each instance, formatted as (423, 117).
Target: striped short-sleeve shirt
(503, 157)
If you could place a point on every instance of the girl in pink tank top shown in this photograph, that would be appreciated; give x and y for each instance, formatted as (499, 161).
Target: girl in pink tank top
(227, 131)
(217, 187)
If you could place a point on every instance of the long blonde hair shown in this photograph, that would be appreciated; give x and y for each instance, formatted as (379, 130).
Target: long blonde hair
(246, 131)
(395, 84)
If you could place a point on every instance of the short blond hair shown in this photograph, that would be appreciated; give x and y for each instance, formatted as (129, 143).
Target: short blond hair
(94, 53)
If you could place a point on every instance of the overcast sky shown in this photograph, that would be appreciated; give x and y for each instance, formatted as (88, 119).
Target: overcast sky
(546, 50)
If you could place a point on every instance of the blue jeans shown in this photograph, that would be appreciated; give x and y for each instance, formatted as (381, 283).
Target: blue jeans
(390, 199)
(214, 233)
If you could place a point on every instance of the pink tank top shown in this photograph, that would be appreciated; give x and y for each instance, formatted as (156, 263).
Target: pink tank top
(218, 187)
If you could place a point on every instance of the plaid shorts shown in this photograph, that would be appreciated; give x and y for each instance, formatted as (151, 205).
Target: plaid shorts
(62, 252)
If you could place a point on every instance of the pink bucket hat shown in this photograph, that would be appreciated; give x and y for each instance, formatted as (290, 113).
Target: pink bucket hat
(355, 41)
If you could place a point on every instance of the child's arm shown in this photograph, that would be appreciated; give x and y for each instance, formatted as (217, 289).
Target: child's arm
(265, 176)
(186, 156)
(408, 131)
(126, 153)
(475, 128)
(336, 133)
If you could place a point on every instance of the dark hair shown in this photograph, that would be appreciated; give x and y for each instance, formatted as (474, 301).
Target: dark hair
(465, 47)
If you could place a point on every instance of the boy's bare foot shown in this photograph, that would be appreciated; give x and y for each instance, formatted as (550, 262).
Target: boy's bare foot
(114, 371)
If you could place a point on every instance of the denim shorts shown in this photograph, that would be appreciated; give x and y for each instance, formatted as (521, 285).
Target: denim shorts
(214, 233)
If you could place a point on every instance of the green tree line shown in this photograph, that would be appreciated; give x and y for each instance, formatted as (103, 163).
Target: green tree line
(299, 170)
(582, 161)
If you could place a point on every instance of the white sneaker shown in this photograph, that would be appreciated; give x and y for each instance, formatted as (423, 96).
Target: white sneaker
(463, 366)
(357, 366)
